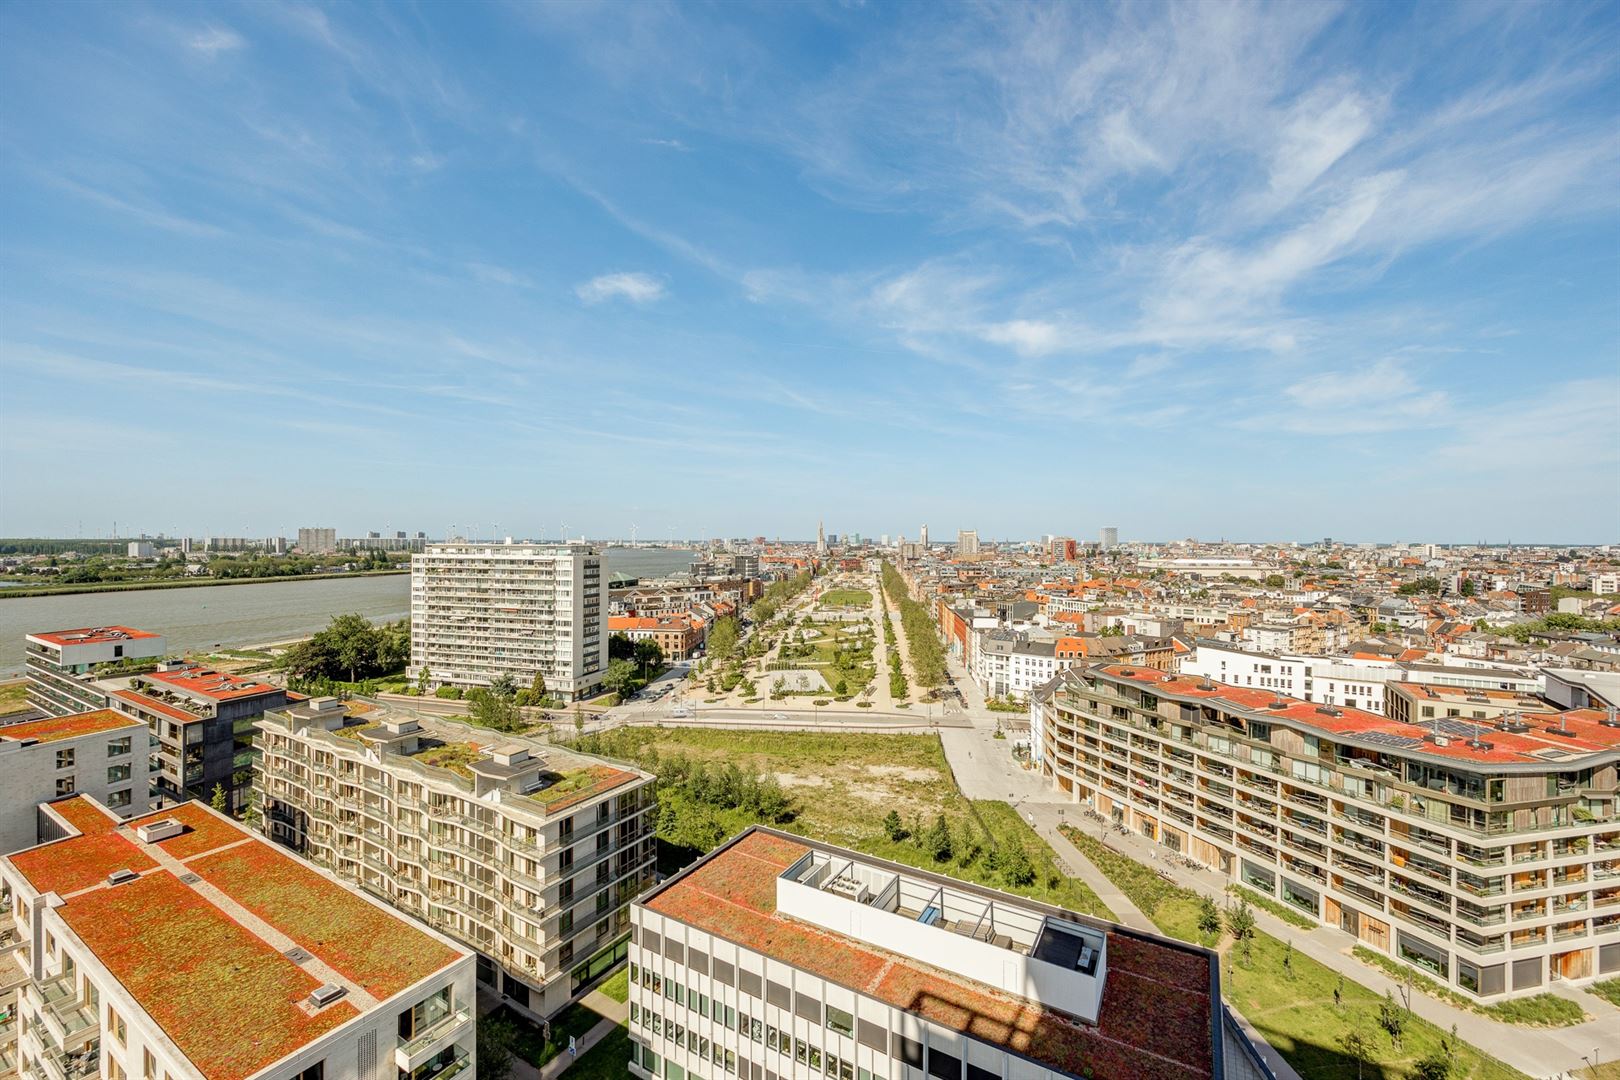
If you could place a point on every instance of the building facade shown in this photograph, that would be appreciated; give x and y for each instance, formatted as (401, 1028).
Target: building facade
(317, 541)
(101, 753)
(1489, 859)
(528, 853)
(60, 665)
(776, 957)
(678, 636)
(479, 611)
(240, 961)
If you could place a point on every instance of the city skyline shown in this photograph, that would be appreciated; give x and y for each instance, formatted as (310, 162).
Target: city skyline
(709, 267)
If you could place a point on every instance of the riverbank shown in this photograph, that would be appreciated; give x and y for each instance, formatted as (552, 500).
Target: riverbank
(183, 583)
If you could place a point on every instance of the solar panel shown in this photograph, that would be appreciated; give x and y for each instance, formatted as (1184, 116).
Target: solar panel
(1385, 738)
(1460, 728)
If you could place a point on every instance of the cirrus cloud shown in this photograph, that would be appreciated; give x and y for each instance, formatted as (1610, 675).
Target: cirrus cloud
(636, 287)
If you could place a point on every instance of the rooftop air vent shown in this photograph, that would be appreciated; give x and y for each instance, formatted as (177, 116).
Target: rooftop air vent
(296, 955)
(1480, 744)
(1611, 718)
(1559, 729)
(153, 831)
(1127, 672)
(1277, 703)
(1328, 710)
(325, 994)
(1439, 740)
(119, 877)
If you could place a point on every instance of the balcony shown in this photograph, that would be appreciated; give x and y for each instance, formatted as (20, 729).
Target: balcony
(414, 1053)
(71, 1021)
(1356, 889)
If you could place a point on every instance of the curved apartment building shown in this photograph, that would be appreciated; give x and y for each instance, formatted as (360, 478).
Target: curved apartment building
(1486, 853)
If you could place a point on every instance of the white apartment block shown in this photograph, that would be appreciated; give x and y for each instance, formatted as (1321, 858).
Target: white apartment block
(482, 610)
(179, 946)
(1486, 853)
(61, 664)
(1330, 680)
(102, 753)
(1605, 584)
(777, 957)
(526, 852)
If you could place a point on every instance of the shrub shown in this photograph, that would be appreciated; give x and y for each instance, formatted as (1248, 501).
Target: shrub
(448, 693)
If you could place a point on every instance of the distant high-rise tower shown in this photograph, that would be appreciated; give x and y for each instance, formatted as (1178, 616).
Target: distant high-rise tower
(967, 541)
(821, 539)
(923, 538)
(1109, 537)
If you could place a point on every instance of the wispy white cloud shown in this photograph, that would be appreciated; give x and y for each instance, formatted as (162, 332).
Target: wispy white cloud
(213, 40)
(636, 287)
(669, 144)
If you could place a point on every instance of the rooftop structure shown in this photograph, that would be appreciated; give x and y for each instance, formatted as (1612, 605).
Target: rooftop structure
(101, 753)
(178, 944)
(61, 664)
(818, 957)
(526, 851)
(1486, 851)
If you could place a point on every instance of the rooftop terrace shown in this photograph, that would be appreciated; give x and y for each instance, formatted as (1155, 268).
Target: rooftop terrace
(1549, 737)
(94, 635)
(57, 728)
(1155, 1017)
(201, 936)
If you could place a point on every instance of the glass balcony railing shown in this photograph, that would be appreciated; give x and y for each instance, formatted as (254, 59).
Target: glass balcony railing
(434, 1032)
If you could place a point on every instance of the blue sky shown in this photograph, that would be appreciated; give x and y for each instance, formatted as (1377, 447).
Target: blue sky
(1201, 270)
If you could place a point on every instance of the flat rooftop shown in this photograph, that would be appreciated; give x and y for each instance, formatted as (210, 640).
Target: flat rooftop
(57, 728)
(208, 683)
(94, 635)
(1552, 738)
(1156, 1017)
(201, 936)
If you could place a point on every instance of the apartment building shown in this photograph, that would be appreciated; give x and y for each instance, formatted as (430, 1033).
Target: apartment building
(479, 611)
(1353, 682)
(1490, 858)
(317, 540)
(201, 723)
(60, 665)
(524, 851)
(179, 946)
(101, 753)
(1425, 703)
(779, 957)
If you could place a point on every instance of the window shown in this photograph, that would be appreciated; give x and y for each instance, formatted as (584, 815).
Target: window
(840, 1021)
(909, 1051)
(117, 773)
(118, 747)
(943, 1065)
(64, 759)
(148, 1065)
(424, 1014)
(115, 1024)
(118, 799)
(64, 785)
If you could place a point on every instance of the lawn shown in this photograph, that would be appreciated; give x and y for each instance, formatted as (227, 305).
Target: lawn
(607, 1060)
(14, 698)
(846, 598)
(1288, 997)
(617, 985)
(843, 785)
(1608, 990)
(821, 653)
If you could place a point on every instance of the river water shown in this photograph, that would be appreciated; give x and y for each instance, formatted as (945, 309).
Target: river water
(234, 615)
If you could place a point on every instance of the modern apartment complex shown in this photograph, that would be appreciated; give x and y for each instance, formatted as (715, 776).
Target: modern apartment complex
(524, 851)
(1486, 852)
(479, 611)
(201, 722)
(317, 541)
(101, 753)
(179, 946)
(777, 957)
(60, 664)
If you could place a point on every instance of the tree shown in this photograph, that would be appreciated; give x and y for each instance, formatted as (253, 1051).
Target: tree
(250, 814)
(620, 647)
(723, 636)
(1357, 1047)
(620, 676)
(1392, 1018)
(537, 687)
(1240, 924)
(496, 1037)
(842, 688)
(937, 841)
(1275, 581)
(1209, 916)
(1016, 867)
(892, 827)
(489, 709)
(1468, 587)
(422, 678)
(1436, 1066)
(220, 801)
(648, 654)
(504, 686)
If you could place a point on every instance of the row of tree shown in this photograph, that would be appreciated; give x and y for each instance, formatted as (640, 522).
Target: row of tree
(777, 594)
(922, 640)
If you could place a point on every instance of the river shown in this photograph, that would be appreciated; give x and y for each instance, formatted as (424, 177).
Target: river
(234, 615)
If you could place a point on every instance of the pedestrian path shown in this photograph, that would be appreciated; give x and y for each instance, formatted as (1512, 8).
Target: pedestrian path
(613, 1014)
